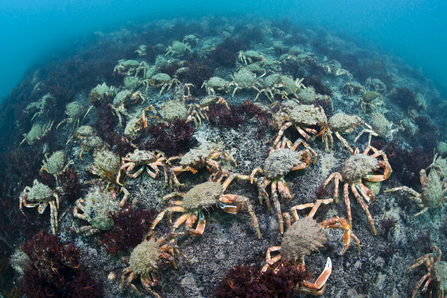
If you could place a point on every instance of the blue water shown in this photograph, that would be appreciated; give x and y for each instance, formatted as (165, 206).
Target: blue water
(34, 31)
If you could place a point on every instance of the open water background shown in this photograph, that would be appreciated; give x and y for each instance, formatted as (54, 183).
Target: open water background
(33, 31)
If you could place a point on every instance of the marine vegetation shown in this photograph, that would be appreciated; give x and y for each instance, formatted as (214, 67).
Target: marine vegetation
(55, 269)
(79, 134)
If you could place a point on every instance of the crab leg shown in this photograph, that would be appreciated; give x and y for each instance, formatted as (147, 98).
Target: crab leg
(179, 221)
(287, 219)
(239, 200)
(215, 155)
(364, 207)
(281, 132)
(278, 207)
(125, 197)
(230, 178)
(200, 225)
(419, 283)
(162, 213)
(319, 286)
(317, 205)
(341, 223)
(347, 202)
(53, 214)
(253, 173)
(366, 193)
(149, 283)
(344, 141)
(284, 191)
(28, 205)
(262, 184)
(337, 178)
(269, 259)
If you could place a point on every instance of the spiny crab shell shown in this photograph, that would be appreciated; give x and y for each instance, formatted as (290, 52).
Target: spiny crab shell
(281, 162)
(142, 156)
(439, 273)
(342, 121)
(203, 195)
(145, 257)
(40, 193)
(301, 239)
(196, 158)
(174, 109)
(358, 166)
(307, 115)
(433, 190)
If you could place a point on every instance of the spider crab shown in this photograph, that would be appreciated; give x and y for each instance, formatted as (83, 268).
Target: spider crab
(436, 272)
(197, 159)
(162, 80)
(145, 159)
(305, 236)
(245, 79)
(145, 259)
(342, 123)
(372, 100)
(250, 56)
(358, 168)
(304, 118)
(95, 209)
(54, 164)
(280, 162)
(280, 84)
(216, 83)
(434, 187)
(203, 196)
(74, 111)
(40, 196)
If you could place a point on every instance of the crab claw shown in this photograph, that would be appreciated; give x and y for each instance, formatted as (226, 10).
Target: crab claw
(319, 286)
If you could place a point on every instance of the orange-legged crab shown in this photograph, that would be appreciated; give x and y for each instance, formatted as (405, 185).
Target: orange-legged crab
(437, 272)
(203, 196)
(343, 123)
(280, 162)
(355, 170)
(145, 159)
(353, 87)
(303, 237)
(304, 118)
(40, 196)
(334, 67)
(195, 160)
(145, 259)
(434, 187)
